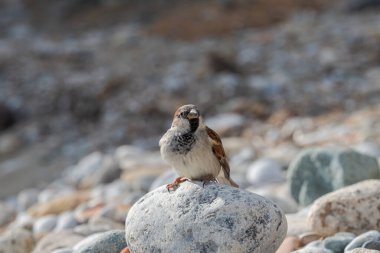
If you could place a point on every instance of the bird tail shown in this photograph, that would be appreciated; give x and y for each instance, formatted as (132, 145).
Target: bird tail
(227, 181)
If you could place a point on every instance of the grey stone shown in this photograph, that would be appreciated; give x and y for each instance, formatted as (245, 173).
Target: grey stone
(318, 171)
(372, 244)
(44, 224)
(92, 170)
(110, 242)
(338, 242)
(209, 218)
(265, 171)
(65, 221)
(361, 239)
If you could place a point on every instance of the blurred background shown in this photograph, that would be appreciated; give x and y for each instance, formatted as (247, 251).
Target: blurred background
(77, 76)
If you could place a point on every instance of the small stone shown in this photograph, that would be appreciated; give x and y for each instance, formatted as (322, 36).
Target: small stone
(363, 238)
(334, 169)
(309, 237)
(110, 242)
(225, 123)
(17, 240)
(65, 250)
(7, 214)
(290, 244)
(26, 199)
(265, 171)
(44, 225)
(372, 244)
(313, 250)
(141, 179)
(66, 221)
(59, 204)
(208, 218)
(297, 222)
(93, 170)
(57, 240)
(338, 242)
(89, 229)
(352, 209)
(369, 148)
(361, 250)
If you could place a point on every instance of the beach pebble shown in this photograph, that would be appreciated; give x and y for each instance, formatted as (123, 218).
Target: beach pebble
(338, 242)
(59, 204)
(362, 250)
(64, 250)
(94, 169)
(313, 250)
(333, 169)
(353, 209)
(368, 148)
(57, 240)
(265, 171)
(44, 225)
(17, 240)
(7, 214)
(358, 242)
(65, 221)
(209, 218)
(110, 242)
(26, 199)
(89, 229)
(142, 179)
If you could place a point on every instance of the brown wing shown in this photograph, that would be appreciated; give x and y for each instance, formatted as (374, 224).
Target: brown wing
(218, 150)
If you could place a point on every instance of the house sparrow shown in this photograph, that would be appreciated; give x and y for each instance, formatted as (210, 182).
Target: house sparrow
(193, 149)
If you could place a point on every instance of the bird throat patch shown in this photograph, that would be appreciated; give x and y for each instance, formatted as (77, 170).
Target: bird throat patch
(182, 143)
(194, 123)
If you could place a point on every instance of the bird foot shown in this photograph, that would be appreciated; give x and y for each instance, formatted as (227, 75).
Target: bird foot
(176, 182)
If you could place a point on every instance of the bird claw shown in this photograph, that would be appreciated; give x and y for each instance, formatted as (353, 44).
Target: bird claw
(176, 182)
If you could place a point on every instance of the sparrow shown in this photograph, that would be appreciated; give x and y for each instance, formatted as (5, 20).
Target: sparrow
(194, 150)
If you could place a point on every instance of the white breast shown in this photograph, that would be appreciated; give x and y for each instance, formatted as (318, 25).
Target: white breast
(199, 161)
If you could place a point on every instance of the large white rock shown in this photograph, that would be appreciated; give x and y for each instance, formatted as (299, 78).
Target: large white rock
(209, 218)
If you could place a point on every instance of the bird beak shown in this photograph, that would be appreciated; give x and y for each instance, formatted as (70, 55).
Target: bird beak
(193, 114)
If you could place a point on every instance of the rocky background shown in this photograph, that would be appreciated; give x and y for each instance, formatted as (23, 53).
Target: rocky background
(88, 87)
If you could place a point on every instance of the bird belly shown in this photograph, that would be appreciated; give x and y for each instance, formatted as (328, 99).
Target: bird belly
(197, 163)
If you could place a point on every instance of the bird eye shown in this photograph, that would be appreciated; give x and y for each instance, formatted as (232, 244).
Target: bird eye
(183, 114)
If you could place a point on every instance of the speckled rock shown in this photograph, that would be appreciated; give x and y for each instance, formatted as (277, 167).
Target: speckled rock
(17, 240)
(318, 171)
(362, 239)
(353, 209)
(110, 242)
(213, 218)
